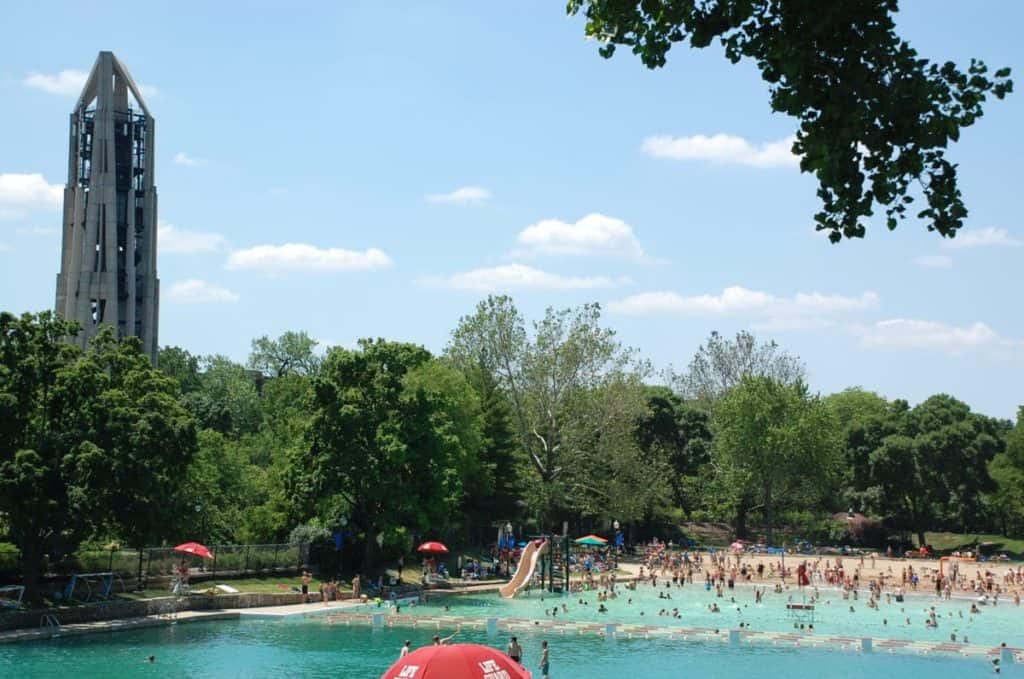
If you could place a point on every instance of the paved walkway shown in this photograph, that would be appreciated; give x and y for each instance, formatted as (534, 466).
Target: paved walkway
(315, 608)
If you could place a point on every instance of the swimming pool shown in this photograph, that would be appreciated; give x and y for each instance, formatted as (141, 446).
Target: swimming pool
(269, 648)
(324, 642)
(992, 626)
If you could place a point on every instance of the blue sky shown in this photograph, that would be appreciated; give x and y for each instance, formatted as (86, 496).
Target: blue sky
(374, 169)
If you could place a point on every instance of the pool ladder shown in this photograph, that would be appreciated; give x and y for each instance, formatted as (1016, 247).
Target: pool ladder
(50, 623)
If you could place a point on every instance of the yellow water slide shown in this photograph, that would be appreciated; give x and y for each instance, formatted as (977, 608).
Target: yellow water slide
(524, 572)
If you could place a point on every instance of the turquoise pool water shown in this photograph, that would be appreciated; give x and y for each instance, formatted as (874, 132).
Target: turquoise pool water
(307, 646)
(991, 626)
(270, 648)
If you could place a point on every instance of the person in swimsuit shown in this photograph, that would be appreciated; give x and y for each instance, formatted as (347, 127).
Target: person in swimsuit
(515, 651)
(544, 659)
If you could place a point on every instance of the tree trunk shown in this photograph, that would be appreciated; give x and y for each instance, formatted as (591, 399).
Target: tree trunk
(741, 518)
(768, 529)
(369, 553)
(31, 562)
(920, 539)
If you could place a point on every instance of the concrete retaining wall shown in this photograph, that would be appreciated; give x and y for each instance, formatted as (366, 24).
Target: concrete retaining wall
(111, 610)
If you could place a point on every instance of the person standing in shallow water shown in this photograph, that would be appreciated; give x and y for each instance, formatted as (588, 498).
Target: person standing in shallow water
(515, 651)
(544, 659)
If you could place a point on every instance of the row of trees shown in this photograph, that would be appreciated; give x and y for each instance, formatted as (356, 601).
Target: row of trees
(536, 423)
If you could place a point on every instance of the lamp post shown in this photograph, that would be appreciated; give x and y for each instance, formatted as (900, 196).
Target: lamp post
(202, 518)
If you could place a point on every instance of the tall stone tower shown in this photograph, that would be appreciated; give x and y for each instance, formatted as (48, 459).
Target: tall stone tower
(108, 256)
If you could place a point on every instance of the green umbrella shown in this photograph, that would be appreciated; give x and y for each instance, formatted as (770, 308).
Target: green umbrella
(592, 540)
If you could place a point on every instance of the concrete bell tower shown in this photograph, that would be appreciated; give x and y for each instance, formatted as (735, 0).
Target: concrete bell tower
(108, 254)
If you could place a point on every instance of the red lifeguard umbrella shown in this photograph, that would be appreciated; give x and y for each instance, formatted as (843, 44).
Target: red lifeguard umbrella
(458, 661)
(432, 548)
(194, 548)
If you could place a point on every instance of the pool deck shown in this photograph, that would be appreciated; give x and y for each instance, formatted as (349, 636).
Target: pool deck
(314, 609)
(78, 629)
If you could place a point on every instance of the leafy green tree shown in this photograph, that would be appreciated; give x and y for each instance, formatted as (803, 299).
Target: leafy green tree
(681, 435)
(385, 449)
(182, 366)
(862, 417)
(95, 441)
(483, 418)
(227, 400)
(575, 395)
(776, 442)
(129, 471)
(720, 364)
(293, 353)
(875, 118)
(931, 466)
(34, 439)
(500, 452)
(1007, 470)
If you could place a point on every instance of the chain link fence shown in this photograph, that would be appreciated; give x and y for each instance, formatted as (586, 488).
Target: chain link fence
(229, 560)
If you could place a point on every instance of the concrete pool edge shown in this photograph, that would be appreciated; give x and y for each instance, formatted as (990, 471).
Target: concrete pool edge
(614, 631)
(116, 625)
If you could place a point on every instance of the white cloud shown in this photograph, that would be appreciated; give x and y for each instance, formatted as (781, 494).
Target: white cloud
(989, 236)
(740, 300)
(595, 234)
(66, 82)
(172, 240)
(182, 158)
(71, 82)
(195, 291)
(20, 193)
(903, 333)
(465, 195)
(303, 257)
(934, 261)
(521, 277)
(723, 148)
(793, 324)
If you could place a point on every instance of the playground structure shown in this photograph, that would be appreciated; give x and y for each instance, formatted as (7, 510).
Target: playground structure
(92, 586)
(545, 558)
(528, 561)
(11, 596)
(944, 559)
(556, 566)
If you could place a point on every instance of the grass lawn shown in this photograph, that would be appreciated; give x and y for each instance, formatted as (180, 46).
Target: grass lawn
(949, 542)
(255, 585)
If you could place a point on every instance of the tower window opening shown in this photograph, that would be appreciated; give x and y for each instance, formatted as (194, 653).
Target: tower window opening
(97, 308)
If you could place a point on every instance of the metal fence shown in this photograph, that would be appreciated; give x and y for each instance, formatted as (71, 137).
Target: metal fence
(160, 561)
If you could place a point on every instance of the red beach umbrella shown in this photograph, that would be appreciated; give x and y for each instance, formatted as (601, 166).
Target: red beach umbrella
(195, 548)
(458, 661)
(432, 548)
